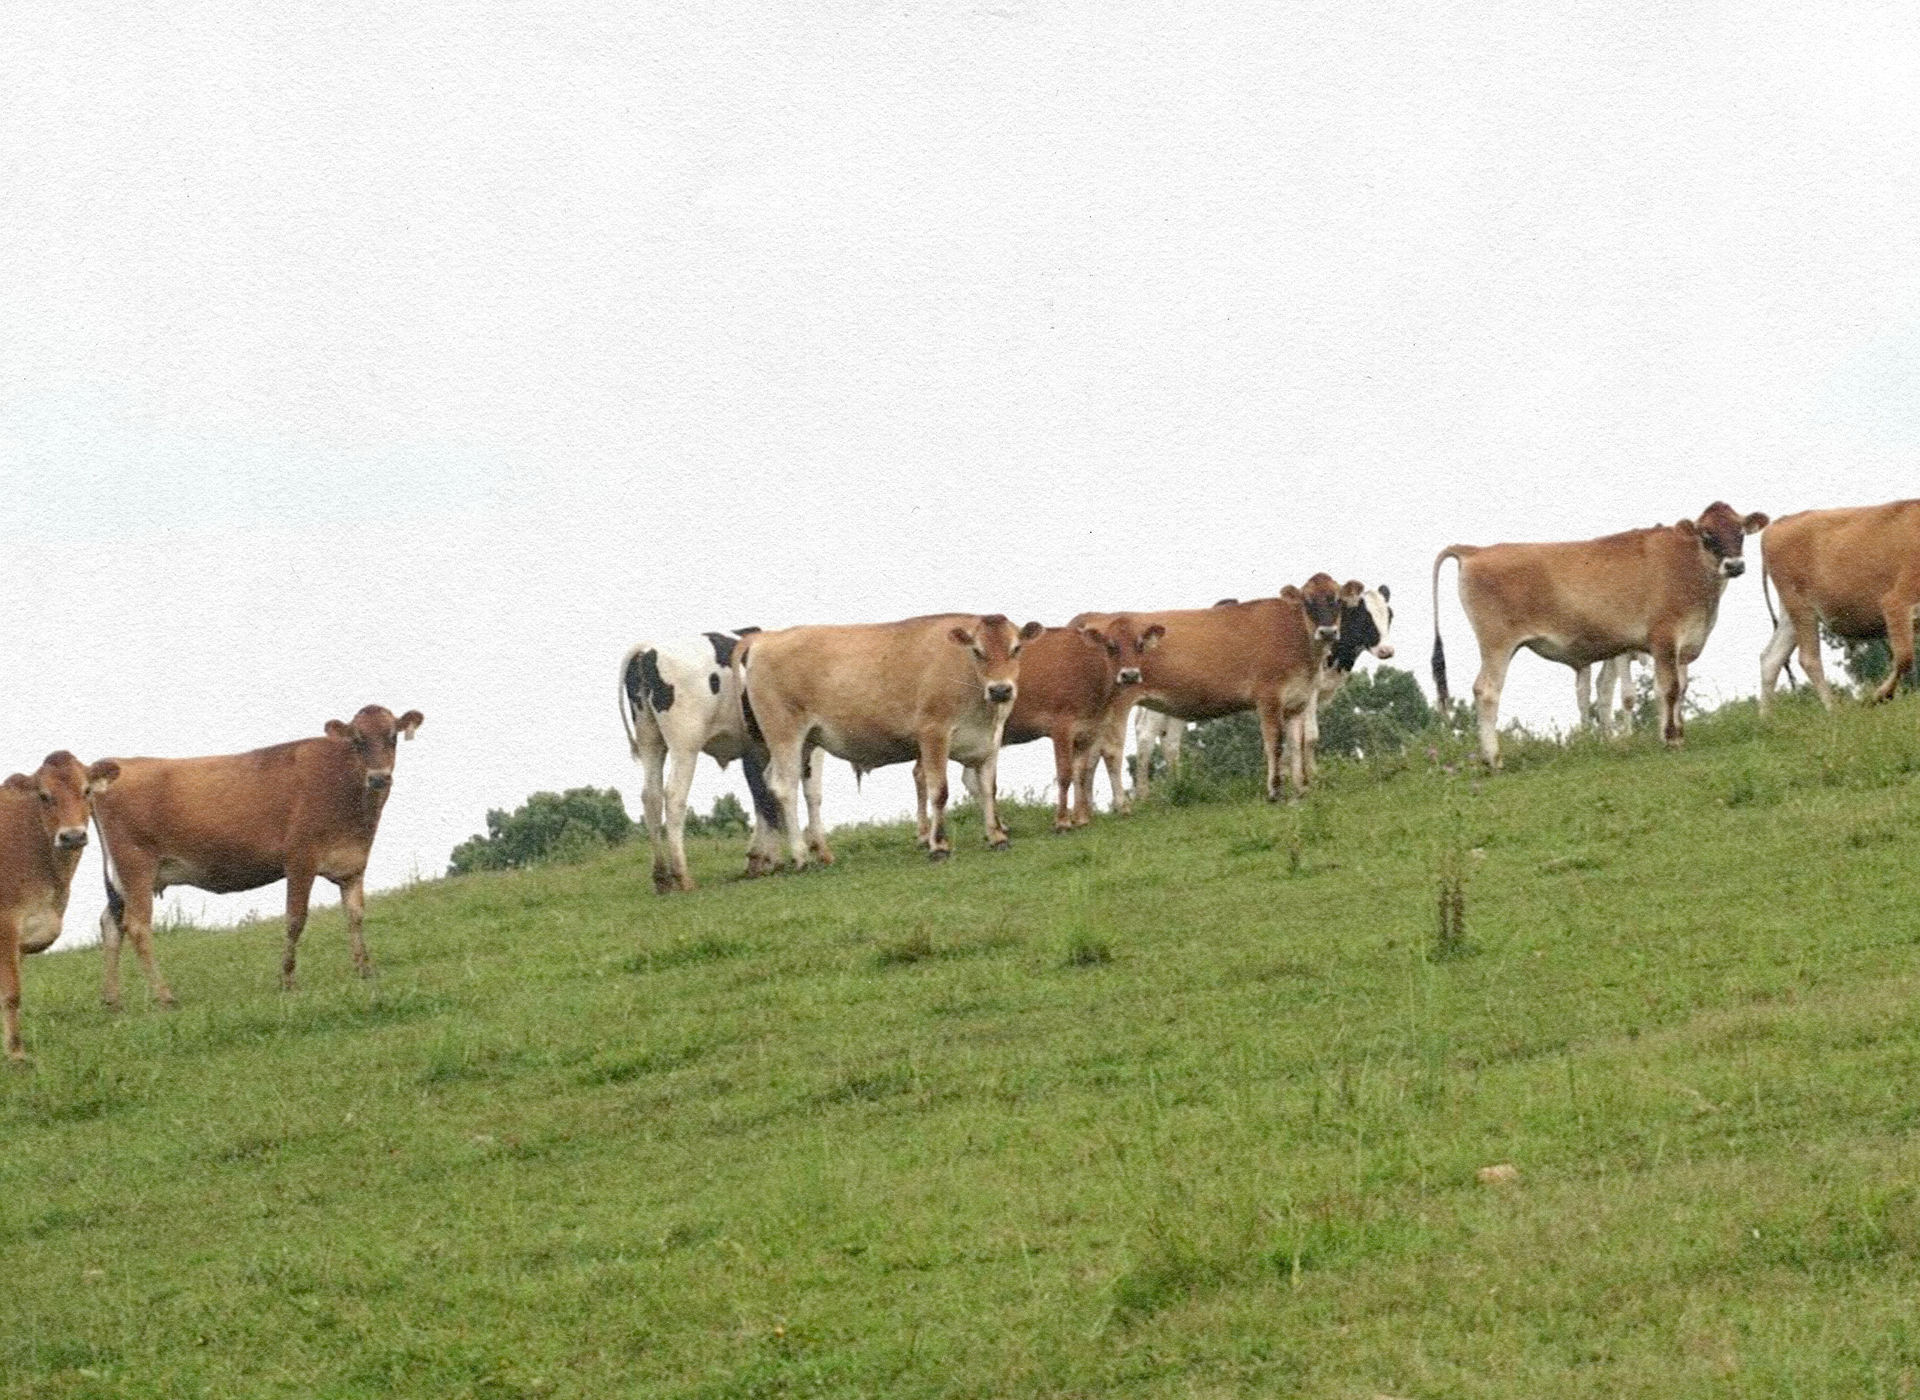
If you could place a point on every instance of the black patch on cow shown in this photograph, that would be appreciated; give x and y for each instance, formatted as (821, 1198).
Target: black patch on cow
(764, 801)
(643, 674)
(723, 646)
(1358, 631)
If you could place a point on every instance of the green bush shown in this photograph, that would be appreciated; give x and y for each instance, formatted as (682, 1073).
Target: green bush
(548, 828)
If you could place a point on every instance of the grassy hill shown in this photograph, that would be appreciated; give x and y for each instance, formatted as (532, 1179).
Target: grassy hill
(1192, 1104)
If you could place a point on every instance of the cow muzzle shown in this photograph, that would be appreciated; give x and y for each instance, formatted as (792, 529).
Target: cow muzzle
(379, 782)
(1384, 651)
(1328, 633)
(1129, 675)
(1732, 568)
(1000, 692)
(70, 838)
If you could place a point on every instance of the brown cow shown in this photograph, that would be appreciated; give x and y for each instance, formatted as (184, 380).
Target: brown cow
(1857, 569)
(1581, 601)
(1068, 677)
(43, 829)
(1264, 655)
(922, 691)
(239, 821)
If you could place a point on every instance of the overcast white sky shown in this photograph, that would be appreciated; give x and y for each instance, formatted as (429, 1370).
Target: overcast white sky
(432, 354)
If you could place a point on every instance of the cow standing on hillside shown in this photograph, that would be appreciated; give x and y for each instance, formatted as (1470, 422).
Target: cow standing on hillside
(1263, 655)
(239, 821)
(1855, 568)
(923, 691)
(679, 700)
(43, 830)
(1068, 678)
(1579, 602)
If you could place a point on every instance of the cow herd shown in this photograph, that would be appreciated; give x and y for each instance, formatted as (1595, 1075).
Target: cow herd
(956, 687)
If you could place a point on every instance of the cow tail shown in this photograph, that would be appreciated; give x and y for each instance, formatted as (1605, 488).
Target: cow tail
(1458, 552)
(628, 692)
(1773, 618)
(116, 902)
(764, 803)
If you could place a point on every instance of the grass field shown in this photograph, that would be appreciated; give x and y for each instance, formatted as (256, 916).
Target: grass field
(1191, 1104)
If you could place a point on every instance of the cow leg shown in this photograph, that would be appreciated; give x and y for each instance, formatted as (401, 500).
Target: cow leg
(353, 902)
(1083, 756)
(1486, 700)
(10, 989)
(988, 797)
(1774, 656)
(922, 828)
(930, 773)
(1898, 614)
(1273, 744)
(1113, 754)
(763, 847)
(1143, 746)
(1583, 695)
(679, 784)
(1670, 684)
(299, 891)
(1300, 761)
(1063, 774)
(653, 760)
(1309, 740)
(813, 768)
(786, 766)
(129, 914)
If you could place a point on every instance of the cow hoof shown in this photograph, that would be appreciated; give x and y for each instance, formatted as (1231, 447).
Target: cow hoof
(938, 853)
(1003, 844)
(664, 884)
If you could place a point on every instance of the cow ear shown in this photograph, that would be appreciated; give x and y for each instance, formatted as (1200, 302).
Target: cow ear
(1352, 591)
(1386, 594)
(1290, 593)
(1152, 636)
(100, 775)
(1231, 602)
(1095, 635)
(337, 730)
(18, 782)
(1756, 522)
(1687, 527)
(409, 722)
(1032, 630)
(962, 636)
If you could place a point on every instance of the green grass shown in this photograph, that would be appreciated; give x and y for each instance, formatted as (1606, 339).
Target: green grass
(1191, 1104)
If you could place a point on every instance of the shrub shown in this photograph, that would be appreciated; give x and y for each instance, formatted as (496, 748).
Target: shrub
(547, 828)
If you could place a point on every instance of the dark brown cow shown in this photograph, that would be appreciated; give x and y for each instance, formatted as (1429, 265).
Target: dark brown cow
(239, 821)
(1068, 678)
(921, 691)
(1857, 569)
(1263, 655)
(1582, 601)
(43, 829)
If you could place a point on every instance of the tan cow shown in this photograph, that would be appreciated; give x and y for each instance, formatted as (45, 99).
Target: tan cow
(1581, 601)
(43, 829)
(921, 691)
(1068, 678)
(1263, 655)
(1857, 569)
(239, 821)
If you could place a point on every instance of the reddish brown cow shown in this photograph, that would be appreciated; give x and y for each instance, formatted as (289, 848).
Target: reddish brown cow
(1857, 569)
(921, 691)
(43, 829)
(1264, 656)
(1068, 678)
(1582, 601)
(239, 821)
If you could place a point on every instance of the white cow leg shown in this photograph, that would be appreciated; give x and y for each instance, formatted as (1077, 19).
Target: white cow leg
(815, 768)
(679, 784)
(1486, 700)
(1773, 656)
(652, 757)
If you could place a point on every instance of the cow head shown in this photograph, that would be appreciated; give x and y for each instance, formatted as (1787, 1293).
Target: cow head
(60, 788)
(372, 738)
(1720, 533)
(1125, 644)
(1321, 601)
(1365, 625)
(995, 644)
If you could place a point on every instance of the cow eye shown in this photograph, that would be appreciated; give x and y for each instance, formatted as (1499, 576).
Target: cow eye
(46, 797)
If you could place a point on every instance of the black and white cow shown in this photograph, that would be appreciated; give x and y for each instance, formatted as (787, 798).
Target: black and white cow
(1364, 627)
(678, 700)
